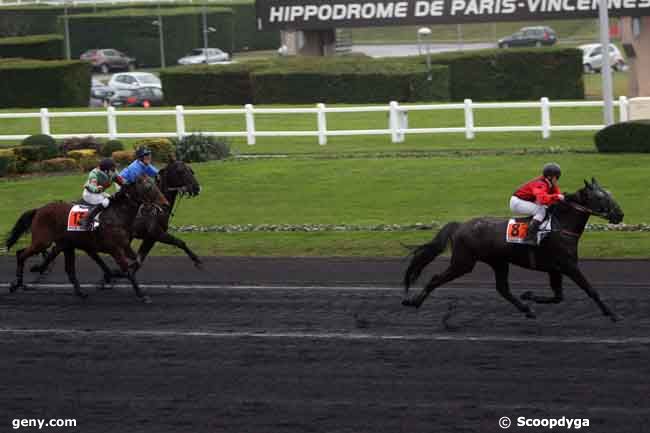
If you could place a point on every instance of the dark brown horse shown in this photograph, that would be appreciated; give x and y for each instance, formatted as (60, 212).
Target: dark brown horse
(174, 181)
(483, 239)
(49, 224)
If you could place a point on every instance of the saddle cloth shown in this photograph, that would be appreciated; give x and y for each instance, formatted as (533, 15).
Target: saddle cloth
(518, 228)
(77, 213)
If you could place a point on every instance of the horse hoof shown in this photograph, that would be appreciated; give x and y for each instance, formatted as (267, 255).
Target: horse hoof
(146, 300)
(527, 295)
(82, 295)
(531, 314)
(410, 303)
(198, 265)
(615, 317)
(15, 286)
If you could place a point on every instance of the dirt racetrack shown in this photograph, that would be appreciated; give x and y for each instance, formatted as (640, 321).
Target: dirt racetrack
(321, 345)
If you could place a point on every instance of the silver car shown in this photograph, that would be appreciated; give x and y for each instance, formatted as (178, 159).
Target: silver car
(592, 57)
(204, 55)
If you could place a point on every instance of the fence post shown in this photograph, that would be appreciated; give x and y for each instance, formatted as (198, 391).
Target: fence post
(250, 124)
(393, 122)
(45, 121)
(322, 124)
(546, 117)
(112, 123)
(469, 120)
(624, 113)
(180, 122)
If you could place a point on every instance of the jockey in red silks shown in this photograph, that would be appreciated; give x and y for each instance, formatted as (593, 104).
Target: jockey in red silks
(533, 197)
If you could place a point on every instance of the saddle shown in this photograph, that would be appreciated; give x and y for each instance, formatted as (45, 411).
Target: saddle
(518, 228)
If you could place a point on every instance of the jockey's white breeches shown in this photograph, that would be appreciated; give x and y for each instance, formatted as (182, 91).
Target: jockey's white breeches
(96, 198)
(523, 207)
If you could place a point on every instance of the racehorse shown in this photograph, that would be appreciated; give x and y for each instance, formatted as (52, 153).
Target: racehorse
(50, 224)
(151, 225)
(484, 240)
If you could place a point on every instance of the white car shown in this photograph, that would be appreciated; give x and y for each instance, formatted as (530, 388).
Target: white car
(134, 80)
(592, 57)
(204, 55)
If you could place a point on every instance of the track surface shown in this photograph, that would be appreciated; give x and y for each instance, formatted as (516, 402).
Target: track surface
(302, 345)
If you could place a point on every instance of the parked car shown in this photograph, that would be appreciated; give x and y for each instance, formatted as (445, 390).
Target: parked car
(141, 97)
(530, 37)
(134, 80)
(203, 55)
(100, 93)
(106, 60)
(592, 57)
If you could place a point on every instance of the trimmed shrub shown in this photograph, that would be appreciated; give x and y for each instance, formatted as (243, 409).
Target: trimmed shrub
(123, 157)
(200, 148)
(43, 47)
(87, 163)
(106, 150)
(39, 140)
(59, 164)
(78, 155)
(162, 149)
(40, 83)
(37, 148)
(80, 143)
(633, 136)
(7, 162)
(29, 153)
(506, 75)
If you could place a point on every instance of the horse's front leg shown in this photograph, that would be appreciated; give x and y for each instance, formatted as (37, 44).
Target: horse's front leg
(168, 239)
(121, 256)
(556, 285)
(70, 269)
(578, 277)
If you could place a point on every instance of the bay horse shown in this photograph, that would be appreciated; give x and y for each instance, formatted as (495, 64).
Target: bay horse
(49, 224)
(484, 240)
(175, 180)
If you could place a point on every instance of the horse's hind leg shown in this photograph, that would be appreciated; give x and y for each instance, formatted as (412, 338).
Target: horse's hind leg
(21, 258)
(48, 259)
(456, 269)
(501, 271)
(556, 285)
(72, 273)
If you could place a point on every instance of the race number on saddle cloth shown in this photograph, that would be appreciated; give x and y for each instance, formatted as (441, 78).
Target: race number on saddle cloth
(76, 216)
(532, 199)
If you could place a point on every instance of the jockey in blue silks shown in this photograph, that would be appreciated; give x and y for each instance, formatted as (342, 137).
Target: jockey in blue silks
(141, 166)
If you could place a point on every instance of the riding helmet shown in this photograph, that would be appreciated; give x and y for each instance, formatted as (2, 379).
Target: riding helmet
(142, 152)
(552, 169)
(107, 165)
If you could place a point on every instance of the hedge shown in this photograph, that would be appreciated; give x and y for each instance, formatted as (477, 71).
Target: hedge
(133, 33)
(60, 83)
(633, 136)
(58, 164)
(123, 157)
(43, 47)
(162, 149)
(507, 75)
(29, 20)
(350, 79)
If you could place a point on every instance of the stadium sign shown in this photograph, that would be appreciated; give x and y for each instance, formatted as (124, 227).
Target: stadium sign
(322, 14)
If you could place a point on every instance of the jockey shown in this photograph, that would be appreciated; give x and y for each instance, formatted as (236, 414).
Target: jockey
(99, 180)
(535, 196)
(141, 166)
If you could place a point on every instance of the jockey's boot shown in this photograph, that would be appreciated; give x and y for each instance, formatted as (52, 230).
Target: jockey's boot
(88, 222)
(531, 234)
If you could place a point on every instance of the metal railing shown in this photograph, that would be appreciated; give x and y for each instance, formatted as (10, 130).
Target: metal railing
(397, 127)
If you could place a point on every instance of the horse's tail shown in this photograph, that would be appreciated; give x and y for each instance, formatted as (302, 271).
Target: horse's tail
(426, 253)
(22, 226)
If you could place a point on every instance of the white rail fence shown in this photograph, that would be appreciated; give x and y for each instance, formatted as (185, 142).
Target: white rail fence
(397, 120)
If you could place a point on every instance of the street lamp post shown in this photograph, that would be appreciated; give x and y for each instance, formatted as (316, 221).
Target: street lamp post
(606, 69)
(161, 37)
(425, 32)
(66, 30)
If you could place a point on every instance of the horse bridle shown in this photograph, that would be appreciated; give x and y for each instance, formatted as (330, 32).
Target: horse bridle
(586, 210)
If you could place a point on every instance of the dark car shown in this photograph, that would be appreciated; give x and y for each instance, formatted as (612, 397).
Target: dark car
(530, 37)
(100, 93)
(142, 97)
(108, 59)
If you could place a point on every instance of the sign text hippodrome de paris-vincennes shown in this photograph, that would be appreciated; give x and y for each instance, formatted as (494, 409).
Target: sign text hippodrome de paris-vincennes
(319, 14)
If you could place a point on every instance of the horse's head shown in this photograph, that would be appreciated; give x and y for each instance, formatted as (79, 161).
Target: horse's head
(178, 176)
(144, 190)
(599, 201)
